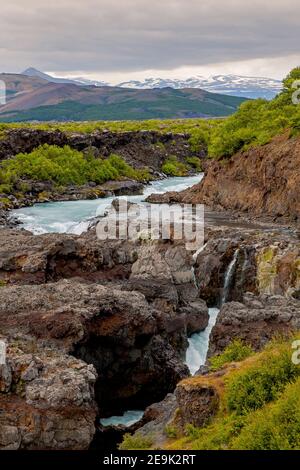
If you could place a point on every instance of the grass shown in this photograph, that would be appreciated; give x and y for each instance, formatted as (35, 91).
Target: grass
(259, 404)
(235, 351)
(136, 442)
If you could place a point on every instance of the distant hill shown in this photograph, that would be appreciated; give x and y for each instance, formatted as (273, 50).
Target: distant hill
(32, 72)
(36, 98)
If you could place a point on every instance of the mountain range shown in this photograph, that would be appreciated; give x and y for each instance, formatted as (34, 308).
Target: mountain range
(233, 85)
(35, 96)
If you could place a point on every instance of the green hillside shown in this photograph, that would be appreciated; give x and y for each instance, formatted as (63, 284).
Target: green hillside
(170, 104)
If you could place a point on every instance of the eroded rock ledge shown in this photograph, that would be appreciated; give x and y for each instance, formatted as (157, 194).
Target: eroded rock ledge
(263, 181)
(118, 313)
(112, 318)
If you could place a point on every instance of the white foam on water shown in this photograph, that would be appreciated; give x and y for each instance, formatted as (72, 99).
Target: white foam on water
(198, 344)
(127, 419)
(74, 216)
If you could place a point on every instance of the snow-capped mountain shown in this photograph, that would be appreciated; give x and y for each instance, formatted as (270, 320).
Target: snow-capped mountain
(86, 81)
(32, 72)
(236, 85)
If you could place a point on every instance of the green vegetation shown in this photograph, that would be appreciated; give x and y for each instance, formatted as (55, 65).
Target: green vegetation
(63, 166)
(257, 122)
(137, 442)
(276, 426)
(260, 405)
(235, 351)
(172, 167)
(132, 104)
(194, 162)
(171, 431)
(198, 129)
(261, 382)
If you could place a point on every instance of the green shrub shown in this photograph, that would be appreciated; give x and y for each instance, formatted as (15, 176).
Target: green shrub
(276, 426)
(171, 431)
(199, 139)
(262, 382)
(136, 442)
(63, 166)
(259, 409)
(216, 436)
(5, 188)
(173, 167)
(256, 122)
(195, 162)
(235, 351)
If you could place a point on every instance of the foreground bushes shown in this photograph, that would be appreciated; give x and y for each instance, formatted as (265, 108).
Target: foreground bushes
(64, 166)
(236, 351)
(260, 405)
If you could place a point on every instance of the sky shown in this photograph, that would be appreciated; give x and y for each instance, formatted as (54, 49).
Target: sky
(119, 40)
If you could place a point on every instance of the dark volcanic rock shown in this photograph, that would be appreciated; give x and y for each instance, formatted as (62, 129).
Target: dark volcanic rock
(52, 301)
(46, 400)
(116, 331)
(256, 321)
(140, 148)
(196, 404)
(261, 181)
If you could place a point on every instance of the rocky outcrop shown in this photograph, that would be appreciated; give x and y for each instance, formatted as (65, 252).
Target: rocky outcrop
(160, 270)
(196, 402)
(46, 400)
(140, 148)
(117, 332)
(266, 262)
(121, 310)
(255, 321)
(263, 181)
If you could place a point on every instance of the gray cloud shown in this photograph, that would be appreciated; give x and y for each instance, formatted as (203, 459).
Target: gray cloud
(132, 35)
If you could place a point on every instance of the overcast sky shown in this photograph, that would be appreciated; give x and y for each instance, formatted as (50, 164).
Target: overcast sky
(116, 40)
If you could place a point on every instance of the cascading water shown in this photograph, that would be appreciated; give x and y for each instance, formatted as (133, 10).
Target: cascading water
(228, 277)
(76, 216)
(199, 342)
(126, 419)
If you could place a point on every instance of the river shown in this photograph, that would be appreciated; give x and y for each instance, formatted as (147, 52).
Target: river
(75, 217)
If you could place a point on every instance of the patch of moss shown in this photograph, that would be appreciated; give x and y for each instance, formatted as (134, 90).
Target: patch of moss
(266, 269)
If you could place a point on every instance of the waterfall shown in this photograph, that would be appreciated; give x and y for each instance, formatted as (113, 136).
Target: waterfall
(195, 255)
(199, 342)
(228, 277)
